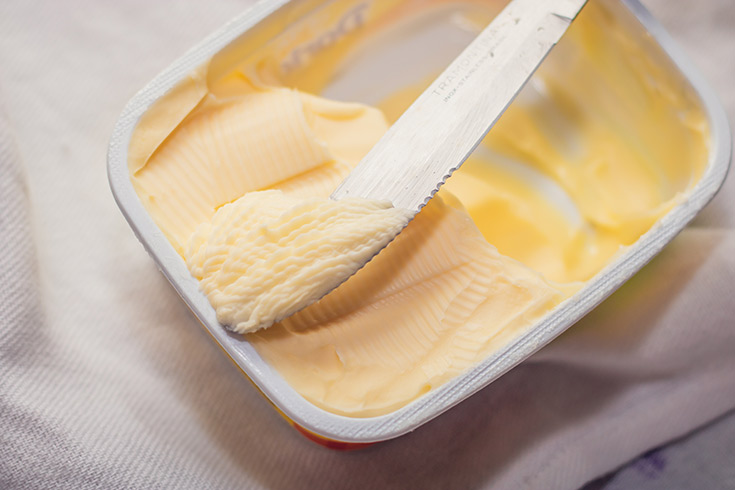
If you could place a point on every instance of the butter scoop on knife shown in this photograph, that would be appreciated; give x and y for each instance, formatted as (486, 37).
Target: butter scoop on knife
(311, 247)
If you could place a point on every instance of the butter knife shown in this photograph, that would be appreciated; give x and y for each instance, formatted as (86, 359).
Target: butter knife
(439, 131)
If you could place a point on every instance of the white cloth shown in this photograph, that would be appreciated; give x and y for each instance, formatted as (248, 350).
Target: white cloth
(702, 460)
(107, 380)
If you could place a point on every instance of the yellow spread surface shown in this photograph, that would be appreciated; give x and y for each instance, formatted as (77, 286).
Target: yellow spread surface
(591, 155)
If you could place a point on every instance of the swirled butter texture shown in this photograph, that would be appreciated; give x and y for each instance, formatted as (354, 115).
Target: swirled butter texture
(596, 149)
(267, 255)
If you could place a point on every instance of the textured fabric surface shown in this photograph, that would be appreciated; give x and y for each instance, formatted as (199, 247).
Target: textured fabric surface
(107, 380)
(702, 459)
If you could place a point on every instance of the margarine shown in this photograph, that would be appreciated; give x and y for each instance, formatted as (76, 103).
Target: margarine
(584, 162)
(268, 255)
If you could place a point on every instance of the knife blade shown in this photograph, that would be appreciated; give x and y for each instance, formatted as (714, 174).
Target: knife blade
(439, 131)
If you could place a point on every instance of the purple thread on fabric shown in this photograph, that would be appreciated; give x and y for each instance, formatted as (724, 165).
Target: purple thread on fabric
(651, 465)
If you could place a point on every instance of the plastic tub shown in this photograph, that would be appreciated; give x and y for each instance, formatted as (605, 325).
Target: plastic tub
(423, 43)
